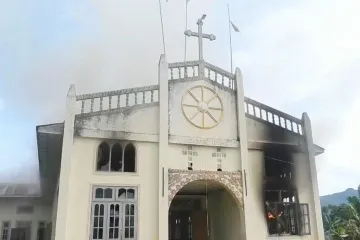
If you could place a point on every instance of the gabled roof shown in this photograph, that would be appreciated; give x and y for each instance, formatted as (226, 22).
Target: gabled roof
(19, 190)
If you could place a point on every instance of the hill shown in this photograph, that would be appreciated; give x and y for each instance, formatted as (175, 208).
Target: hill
(338, 198)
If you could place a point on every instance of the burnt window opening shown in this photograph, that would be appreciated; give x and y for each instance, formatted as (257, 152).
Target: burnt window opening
(283, 212)
(116, 158)
(103, 157)
(129, 158)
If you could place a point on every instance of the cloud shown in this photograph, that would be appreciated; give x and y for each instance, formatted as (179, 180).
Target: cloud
(2, 105)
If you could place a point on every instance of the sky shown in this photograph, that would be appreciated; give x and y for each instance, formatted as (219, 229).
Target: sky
(296, 56)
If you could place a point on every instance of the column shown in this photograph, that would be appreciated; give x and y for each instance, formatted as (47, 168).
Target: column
(243, 149)
(64, 178)
(163, 148)
(307, 131)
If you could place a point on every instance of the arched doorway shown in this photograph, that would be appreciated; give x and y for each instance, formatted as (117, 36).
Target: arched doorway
(204, 209)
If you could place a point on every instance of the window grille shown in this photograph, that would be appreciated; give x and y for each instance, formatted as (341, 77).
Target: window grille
(114, 214)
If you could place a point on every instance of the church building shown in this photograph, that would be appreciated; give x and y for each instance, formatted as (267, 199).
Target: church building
(190, 158)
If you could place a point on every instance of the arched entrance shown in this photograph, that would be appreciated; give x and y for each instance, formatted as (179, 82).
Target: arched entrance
(204, 206)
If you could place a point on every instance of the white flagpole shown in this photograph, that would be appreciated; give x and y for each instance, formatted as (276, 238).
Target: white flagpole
(186, 23)
(231, 57)
(162, 26)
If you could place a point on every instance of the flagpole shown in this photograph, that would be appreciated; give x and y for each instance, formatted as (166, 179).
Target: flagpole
(186, 23)
(231, 57)
(162, 26)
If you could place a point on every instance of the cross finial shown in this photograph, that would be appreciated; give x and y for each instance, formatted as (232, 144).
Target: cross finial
(200, 35)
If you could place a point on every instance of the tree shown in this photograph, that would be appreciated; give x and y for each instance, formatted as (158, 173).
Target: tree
(343, 222)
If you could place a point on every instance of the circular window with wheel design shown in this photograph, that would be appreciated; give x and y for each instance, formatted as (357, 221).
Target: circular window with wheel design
(202, 107)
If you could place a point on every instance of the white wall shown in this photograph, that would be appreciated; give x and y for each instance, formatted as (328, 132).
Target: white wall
(204, 159)
(83, 177)
(8, 207)
(180, 126)
(128, 120)
(224, 216)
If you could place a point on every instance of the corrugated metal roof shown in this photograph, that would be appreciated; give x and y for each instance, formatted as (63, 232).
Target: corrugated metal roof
(19, 190)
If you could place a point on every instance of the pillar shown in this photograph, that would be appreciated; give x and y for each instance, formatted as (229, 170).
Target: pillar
(243, 149)
(307, 131)
(163, 148)
(64, 178)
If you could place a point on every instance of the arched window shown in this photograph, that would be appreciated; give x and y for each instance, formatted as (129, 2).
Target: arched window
(103, 157)
(129, 158)
(116, 157)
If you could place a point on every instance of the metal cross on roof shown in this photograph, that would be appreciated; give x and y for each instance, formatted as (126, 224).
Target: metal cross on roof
(200, 35)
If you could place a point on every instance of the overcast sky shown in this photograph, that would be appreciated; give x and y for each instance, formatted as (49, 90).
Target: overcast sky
(296, 56)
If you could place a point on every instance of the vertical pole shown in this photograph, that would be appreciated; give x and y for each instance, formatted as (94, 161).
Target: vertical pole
(201, 57)
(186, 23)
(162, 26)
(200, 23)
(231, 57)
(163, 148)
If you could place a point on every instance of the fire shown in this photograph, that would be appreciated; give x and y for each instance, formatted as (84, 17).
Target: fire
(270, 216)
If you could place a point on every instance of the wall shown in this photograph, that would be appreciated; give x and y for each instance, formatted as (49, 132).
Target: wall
(255, 173)
(204, 159)
(123, 120)
(83, 177)
(8, 208)
(224, 216)
(180, 126)
(54, 213)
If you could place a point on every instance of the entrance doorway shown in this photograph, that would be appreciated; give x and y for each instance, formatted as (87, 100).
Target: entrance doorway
(204, 210)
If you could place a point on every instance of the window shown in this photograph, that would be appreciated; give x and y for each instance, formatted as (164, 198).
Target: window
(288, 218)
(114, 212)
(5, 235)
(304, 219)
(25, 209)
(116, 157)
(41, 231)
(23, 230)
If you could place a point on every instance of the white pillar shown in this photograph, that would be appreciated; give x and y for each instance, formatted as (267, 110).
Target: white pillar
(307, 131)
(64, 178)
(163, 147)
(242, 134)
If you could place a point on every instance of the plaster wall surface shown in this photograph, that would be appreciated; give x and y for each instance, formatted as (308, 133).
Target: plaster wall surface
(8, 212)
(53, 215)
(224, 216)
(131, 120)
(204, 159)
(180, 126)
(83, 177)
(268, 132)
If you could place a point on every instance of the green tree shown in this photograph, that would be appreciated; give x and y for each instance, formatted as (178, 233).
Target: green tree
(343, 222)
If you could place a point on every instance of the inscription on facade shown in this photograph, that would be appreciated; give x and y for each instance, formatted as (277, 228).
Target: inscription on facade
(219, 158)
(190, 153)
(204, 141)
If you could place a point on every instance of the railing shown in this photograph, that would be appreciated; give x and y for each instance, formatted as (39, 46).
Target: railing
(198, 69)
(102, 101)
(182, 70)
(260, 111)
(219, 75)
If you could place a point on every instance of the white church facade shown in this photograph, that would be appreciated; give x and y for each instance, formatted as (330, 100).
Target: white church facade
(190, 158)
